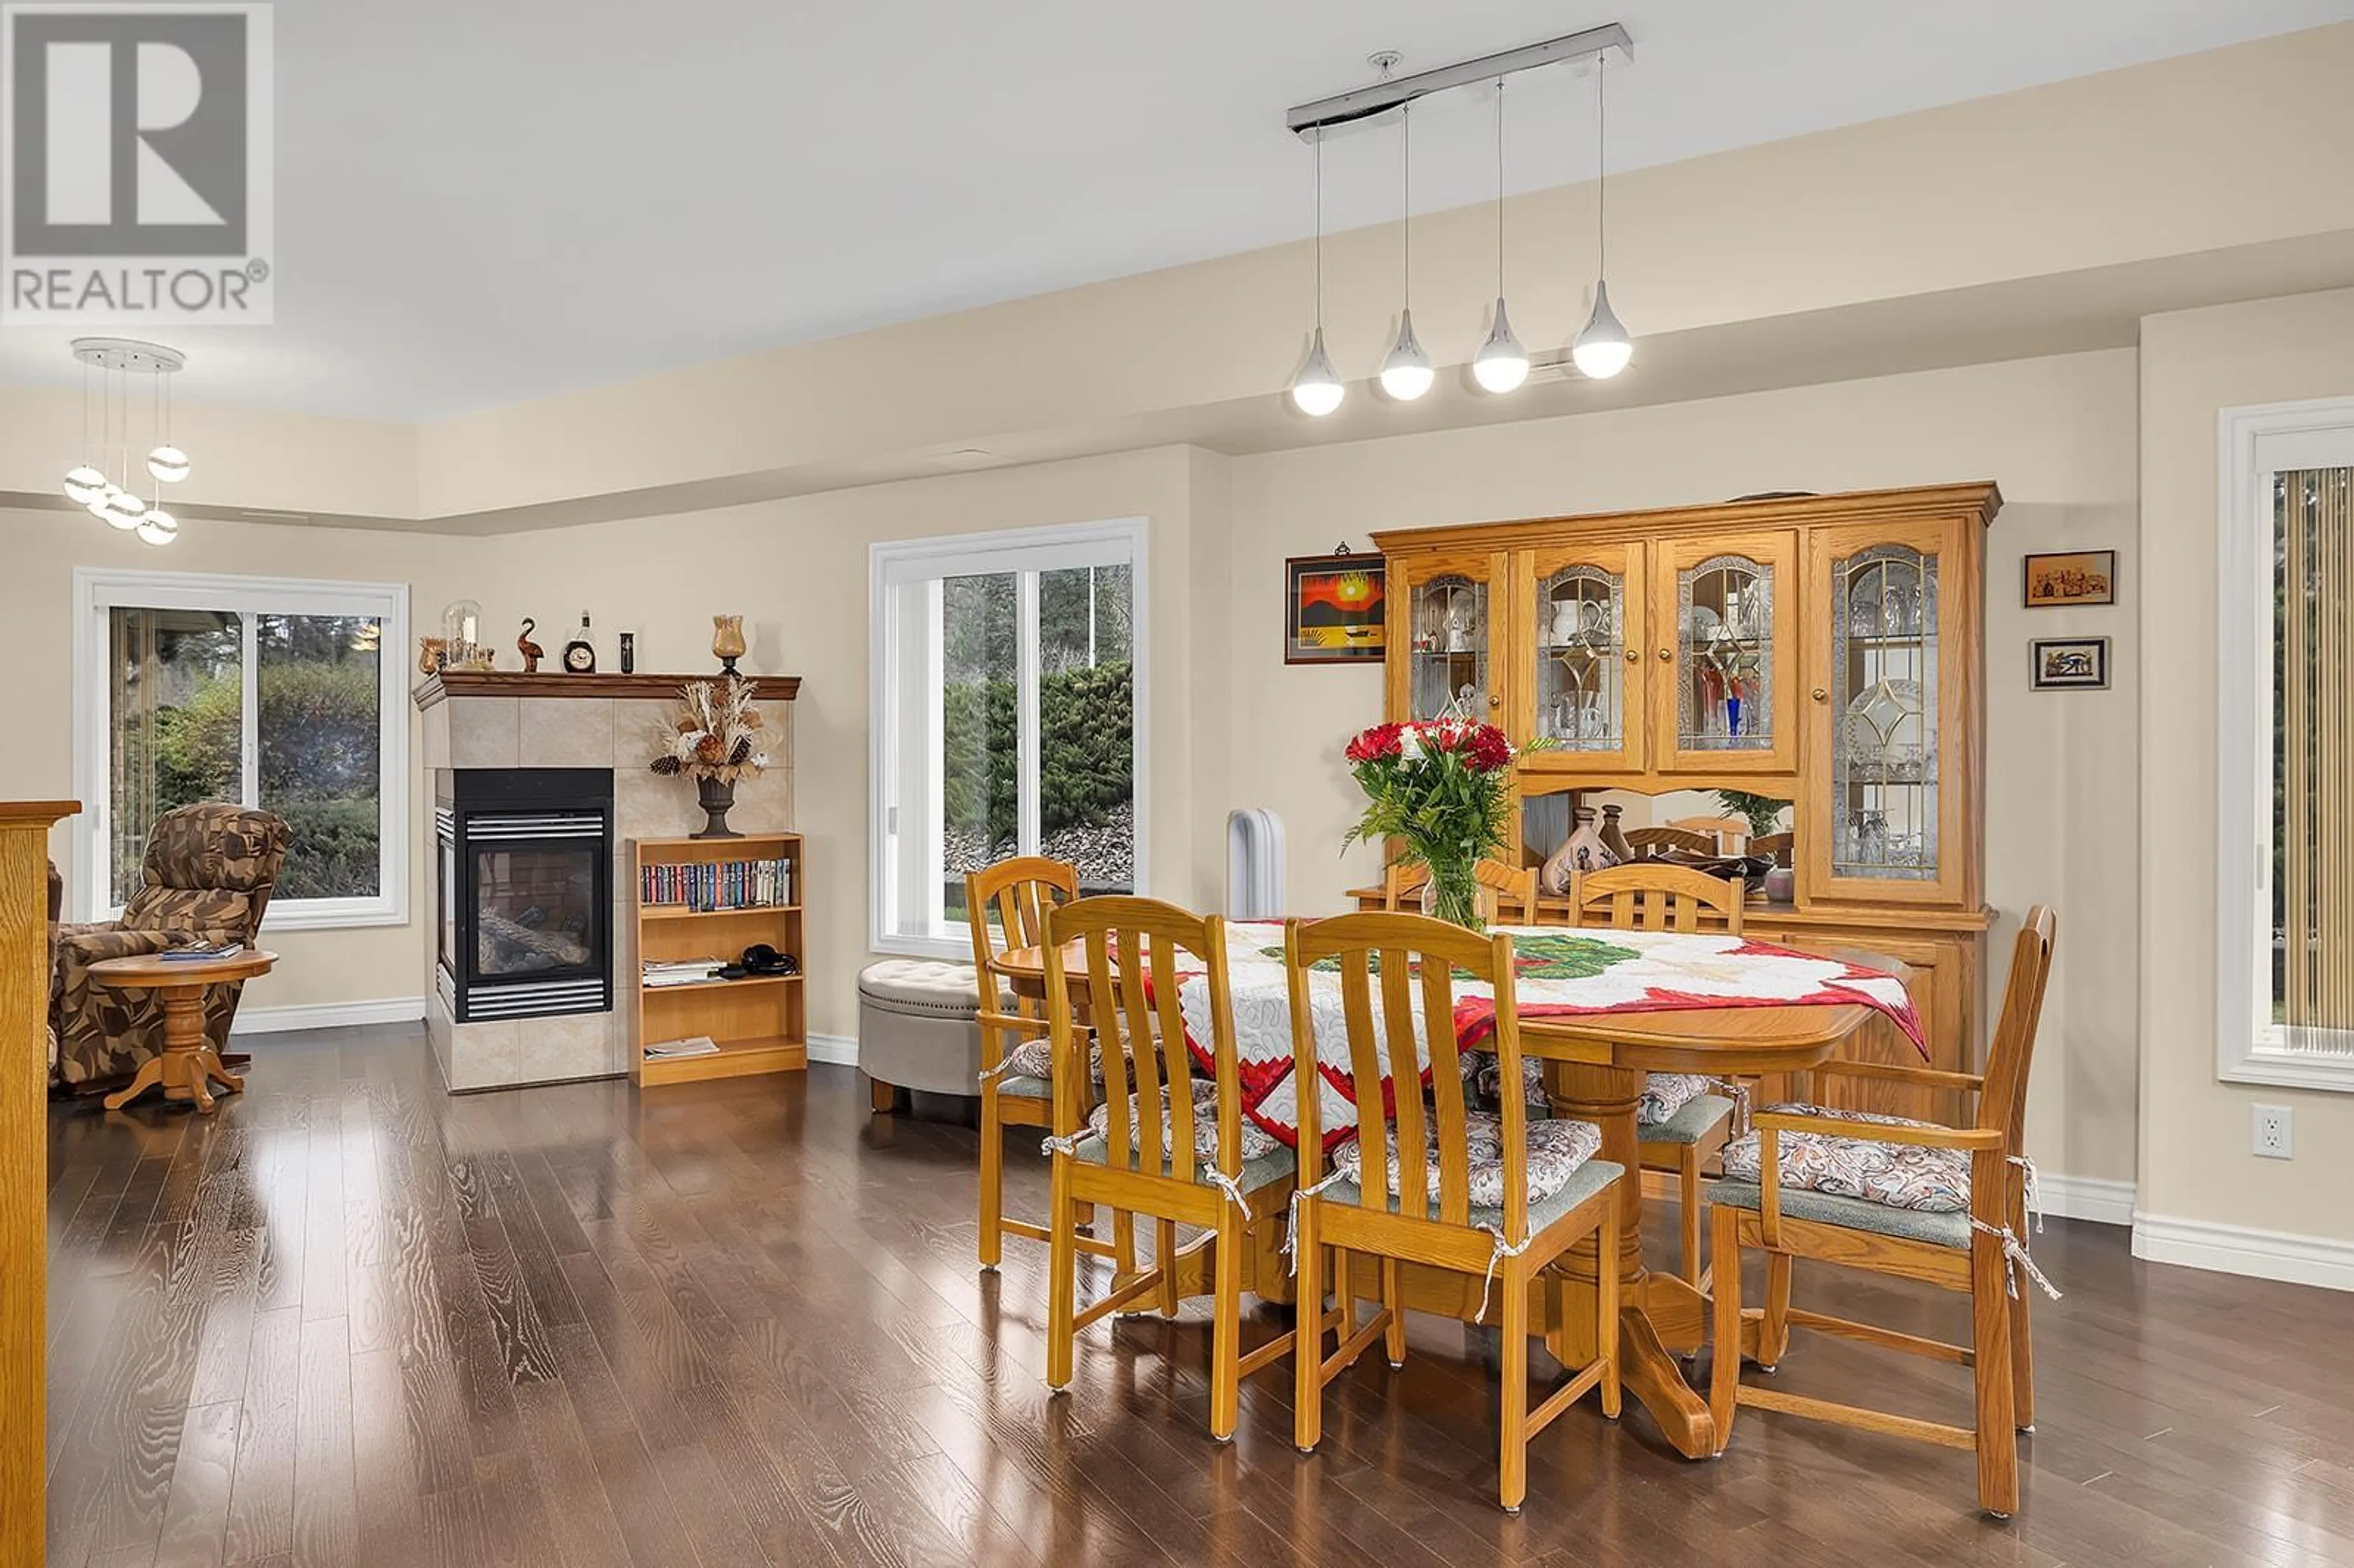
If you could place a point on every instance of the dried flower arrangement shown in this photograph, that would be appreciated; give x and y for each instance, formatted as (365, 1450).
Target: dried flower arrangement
(716, 734)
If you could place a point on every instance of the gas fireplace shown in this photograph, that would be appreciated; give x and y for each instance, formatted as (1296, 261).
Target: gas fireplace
(524, 891)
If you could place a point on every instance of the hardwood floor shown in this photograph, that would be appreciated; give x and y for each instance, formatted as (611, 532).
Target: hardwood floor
(351, 1319)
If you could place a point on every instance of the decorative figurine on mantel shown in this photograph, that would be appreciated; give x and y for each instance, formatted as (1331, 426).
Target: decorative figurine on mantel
(431, 653)
(531, 652)
(714, 742)
(727, 643)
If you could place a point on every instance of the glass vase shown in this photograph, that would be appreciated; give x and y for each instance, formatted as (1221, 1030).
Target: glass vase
(1451, 892)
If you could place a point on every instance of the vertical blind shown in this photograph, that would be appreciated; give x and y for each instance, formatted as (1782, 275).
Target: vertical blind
(2313, 758)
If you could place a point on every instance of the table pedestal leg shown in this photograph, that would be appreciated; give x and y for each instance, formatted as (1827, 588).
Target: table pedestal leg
(1606, 1096)
(186, 1068)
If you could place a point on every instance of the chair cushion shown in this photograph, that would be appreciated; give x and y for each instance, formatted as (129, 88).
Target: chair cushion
(1689, 1125)
(1589, 1177)
(1664, 1093)
(1027, 1088)
(1895, 1175)
(1035, 1058)
(1556, 1150)
(1851, 1213)
(921, 987)
(1257, 1142)
(1276, 1165)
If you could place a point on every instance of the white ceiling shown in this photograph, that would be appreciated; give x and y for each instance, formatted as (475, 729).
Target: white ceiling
(485, 201)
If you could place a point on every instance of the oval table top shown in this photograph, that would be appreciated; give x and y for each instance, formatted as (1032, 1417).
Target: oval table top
(1718, 1040)
(154, 971)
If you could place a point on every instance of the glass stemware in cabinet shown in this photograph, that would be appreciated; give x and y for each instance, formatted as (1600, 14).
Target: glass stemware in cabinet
(1450, 657)
(1724, 689)
(1581, 669)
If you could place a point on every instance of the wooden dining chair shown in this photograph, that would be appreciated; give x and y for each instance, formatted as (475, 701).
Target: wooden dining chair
(1508, 895)
(1644, 896)
(1006, 905)
(1650, 842)
(1725, 834)
(1775, 847)
(1162, 1143)
(1952, 1213)
(1532, 1192)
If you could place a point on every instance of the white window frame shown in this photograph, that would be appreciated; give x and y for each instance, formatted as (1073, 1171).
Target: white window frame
(97, 591)
(2256, 442)
(893, 564)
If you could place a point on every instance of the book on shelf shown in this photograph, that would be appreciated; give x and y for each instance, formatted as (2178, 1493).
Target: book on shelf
(713, 886)
(671, 1049)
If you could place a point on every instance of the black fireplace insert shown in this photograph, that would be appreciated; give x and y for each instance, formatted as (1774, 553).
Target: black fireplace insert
(524, 891)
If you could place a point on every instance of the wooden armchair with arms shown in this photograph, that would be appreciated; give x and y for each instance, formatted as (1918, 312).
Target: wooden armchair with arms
(1943, 1205)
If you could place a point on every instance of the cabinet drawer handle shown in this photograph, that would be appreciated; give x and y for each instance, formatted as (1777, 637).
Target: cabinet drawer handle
(1821, 696)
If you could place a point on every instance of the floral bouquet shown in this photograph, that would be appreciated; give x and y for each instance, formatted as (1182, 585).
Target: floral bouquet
(1444, 786)
(716, 736)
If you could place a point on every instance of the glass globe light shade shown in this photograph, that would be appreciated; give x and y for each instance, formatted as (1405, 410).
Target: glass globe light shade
(169, 464)
(124, 509)
(1317, 390)
(1603, 349)
(1406, 374)
(159, 526)
(84, 485)
(1502, 364)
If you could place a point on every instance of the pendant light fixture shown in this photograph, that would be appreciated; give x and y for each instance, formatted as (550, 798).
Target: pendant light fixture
(1317, 390)
(89, 484)
(1501, 363)
(1603, 349)
(1406, 374)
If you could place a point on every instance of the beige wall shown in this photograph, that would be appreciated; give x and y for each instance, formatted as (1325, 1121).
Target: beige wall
(2058, 434)
(2195, 1158)
(36, 704)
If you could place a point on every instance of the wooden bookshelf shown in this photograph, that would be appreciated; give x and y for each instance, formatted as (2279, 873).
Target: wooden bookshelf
(761, 1021)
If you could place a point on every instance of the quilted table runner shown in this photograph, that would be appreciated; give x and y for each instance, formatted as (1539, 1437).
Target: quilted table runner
(1561, 971)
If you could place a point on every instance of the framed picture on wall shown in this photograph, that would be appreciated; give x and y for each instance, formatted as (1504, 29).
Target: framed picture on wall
(2070, 663)
(2085, 576)
(1334, 609)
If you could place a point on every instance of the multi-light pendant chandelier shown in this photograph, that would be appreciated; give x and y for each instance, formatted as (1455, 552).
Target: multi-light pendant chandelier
(112, 500)
(1602, 349)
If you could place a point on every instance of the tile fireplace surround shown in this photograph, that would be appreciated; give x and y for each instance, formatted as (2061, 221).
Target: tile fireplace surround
(495, 721)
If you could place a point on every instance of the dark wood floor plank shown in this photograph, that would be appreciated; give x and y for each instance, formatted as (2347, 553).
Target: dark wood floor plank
(353, 1319)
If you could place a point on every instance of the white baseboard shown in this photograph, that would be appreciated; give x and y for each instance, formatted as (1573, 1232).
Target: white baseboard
(842, 1050)
(329, 1015)
(2093, 1198)
(2241, 1249)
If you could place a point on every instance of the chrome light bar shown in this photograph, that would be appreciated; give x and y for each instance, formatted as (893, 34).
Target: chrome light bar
(1609, 41)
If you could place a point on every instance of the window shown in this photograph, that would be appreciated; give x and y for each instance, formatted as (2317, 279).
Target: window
(290, 696)
(2285, 741)
(1008, 717)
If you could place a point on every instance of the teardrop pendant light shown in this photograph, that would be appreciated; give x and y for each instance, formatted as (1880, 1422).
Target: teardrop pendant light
(1603, 349)
(1501, 363)
(1317, 390)
(1406, 374)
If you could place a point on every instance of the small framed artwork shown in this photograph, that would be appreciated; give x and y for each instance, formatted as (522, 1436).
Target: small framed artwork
(2070, 663)
(2085, 576)
(1334, 610)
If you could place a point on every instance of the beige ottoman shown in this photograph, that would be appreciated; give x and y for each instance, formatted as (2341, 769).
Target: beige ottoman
(916, 1029)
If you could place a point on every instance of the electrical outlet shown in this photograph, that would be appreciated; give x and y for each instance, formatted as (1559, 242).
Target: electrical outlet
(2272, 1138)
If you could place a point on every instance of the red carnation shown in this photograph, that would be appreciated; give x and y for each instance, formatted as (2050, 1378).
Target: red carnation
(1372, 744)
(1487, 750)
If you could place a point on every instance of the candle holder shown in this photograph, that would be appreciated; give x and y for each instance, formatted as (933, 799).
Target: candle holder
(727, 640)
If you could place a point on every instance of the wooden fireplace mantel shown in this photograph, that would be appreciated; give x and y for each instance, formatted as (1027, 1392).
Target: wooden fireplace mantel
(555, 684)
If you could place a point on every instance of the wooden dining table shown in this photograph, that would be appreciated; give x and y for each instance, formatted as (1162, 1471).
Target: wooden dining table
(1594, 1066)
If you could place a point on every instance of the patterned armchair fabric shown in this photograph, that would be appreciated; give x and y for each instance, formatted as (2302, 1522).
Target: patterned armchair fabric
(206, 878)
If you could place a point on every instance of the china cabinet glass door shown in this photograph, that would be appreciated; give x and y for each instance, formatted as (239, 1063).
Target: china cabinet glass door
(1450, 611)
(1725, 651)
(1580, 699)
(1886, 819)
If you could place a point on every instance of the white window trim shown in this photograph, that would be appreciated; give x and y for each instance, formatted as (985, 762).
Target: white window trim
(893, 562)
(2256, 442)
(98, 589)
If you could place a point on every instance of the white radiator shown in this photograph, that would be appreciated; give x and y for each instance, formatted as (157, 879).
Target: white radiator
(1254, 864)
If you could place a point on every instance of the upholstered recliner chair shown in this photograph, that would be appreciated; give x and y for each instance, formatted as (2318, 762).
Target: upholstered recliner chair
(206, 878)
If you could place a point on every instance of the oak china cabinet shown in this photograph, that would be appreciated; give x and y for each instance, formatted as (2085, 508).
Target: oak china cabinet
(1824, 650)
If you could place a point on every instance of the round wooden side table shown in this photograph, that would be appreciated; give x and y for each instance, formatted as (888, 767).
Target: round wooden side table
(186, 1068)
